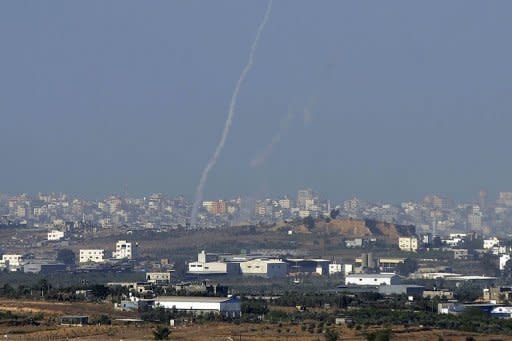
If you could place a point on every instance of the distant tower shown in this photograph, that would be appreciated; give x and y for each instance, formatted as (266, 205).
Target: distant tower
(434, 227)
(482, 199)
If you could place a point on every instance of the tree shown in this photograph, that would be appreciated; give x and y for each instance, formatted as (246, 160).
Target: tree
(489, 265)
(334, 213)
(380, 335)
(43, 285)
(161, 333)
(104, 319)
(100, 291)
(309, 222)
(407, 267)
(331, 335)
(507, 270)
(66, 256)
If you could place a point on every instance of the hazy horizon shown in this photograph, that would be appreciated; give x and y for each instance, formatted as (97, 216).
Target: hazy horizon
(384, 101)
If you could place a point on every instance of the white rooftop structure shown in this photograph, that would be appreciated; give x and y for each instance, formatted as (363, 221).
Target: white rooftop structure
(227, 306)
(372, 279)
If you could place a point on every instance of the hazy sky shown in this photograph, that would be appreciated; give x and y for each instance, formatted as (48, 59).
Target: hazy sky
(405, 98)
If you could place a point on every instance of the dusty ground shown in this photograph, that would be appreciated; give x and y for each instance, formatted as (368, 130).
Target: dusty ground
(221, 331)
(215, 331)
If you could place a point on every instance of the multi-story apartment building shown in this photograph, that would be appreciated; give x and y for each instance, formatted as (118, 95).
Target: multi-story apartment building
(409, 244)
(12, 261)
(92, 256)
(124, 250)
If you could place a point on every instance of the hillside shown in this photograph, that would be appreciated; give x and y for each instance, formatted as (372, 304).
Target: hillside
(358, 228)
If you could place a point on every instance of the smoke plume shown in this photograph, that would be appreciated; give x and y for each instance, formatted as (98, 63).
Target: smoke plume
(262, 157)
(229, 120)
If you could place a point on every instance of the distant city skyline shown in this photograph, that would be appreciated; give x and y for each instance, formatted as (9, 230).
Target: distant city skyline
(390, 101)
(477, 198)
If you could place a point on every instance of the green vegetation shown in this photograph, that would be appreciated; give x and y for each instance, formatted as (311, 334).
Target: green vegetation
(66, 256)
(161, 333)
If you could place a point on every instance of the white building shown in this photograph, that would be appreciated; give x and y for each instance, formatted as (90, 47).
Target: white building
(55, 235)
(269, 268)
(335, 268)
(207, 265)
(213, 268)
(502, 312)
(372, 279)
(503, 261)
(455, 239)
(13, 262)
(348, 269)
(491, 242)
(92, 256)
(124, 250)
(158, 277)
(409, 244)
(226, 306)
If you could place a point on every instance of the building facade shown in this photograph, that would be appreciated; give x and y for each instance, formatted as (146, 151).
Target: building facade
(92, 256)
(409, 244)
(124, 250)
(269, 268)
(54, 235)
(226, 306)
(372, 279)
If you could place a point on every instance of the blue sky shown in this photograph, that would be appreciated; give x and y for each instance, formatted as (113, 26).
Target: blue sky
(406, 98)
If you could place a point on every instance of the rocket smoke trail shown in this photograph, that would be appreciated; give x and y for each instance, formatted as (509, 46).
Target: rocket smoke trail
(229, 120)
(262, 156)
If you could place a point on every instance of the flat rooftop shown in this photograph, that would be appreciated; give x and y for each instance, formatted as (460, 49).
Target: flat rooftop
(194, 299)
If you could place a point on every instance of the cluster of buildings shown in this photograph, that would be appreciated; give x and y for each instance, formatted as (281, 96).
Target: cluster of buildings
(124, 250)
(253, 265)
(435, 214)
(464, 246)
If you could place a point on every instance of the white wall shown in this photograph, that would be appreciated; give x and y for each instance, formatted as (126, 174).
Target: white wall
(371, 280)
(55, 235)
(198, 267)
(92, 255)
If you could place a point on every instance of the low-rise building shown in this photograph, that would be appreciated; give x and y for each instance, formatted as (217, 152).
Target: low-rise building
(74, 320)
(55, 235)
(208, 264)
(372, 279)
(43, 267)
(308, 266)
(402, 289)
(502, 312)
(491, 242)
(462, 254)
(269, 268)
(226, 306)
(213, 268)
(12, 261)
(498, 295)
(158, 277)
(92, 256)
(335, 268)
(438, 293)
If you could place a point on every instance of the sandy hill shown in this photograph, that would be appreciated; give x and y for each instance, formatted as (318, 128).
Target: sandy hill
(357, 228)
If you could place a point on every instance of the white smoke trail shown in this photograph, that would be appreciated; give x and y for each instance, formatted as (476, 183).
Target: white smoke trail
(262, 157)
(308, 114)
(229, 120)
